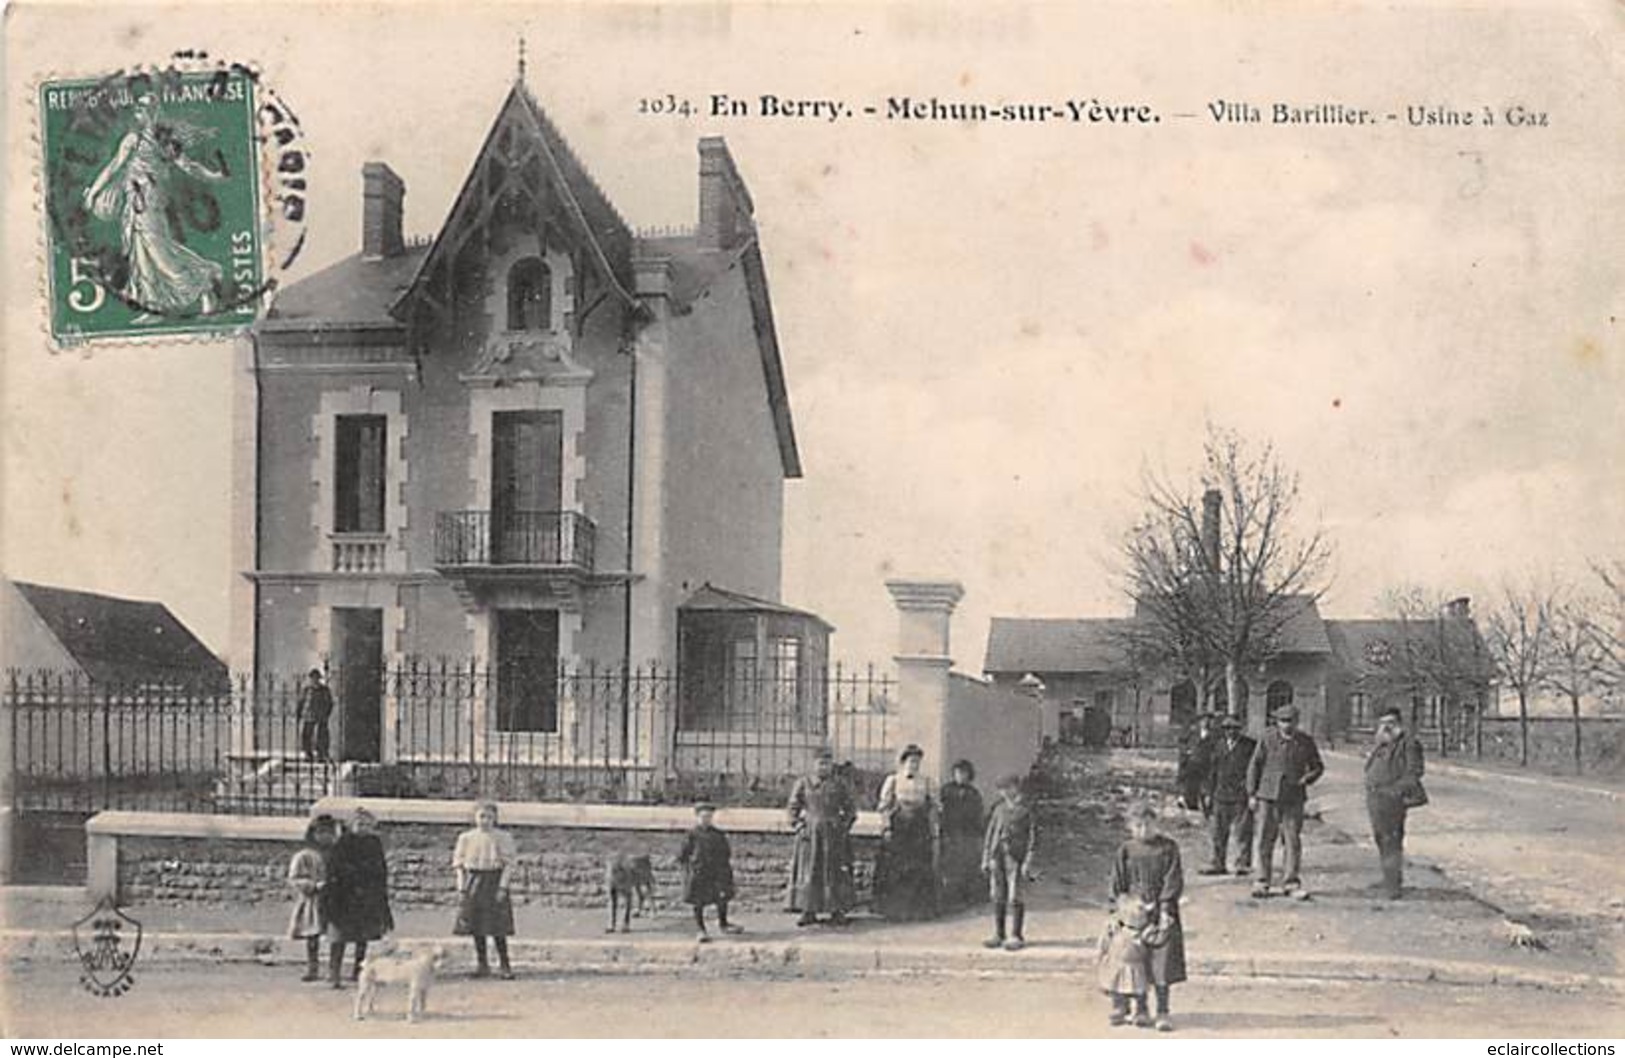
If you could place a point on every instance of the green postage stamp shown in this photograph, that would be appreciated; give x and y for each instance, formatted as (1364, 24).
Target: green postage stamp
(152, 195)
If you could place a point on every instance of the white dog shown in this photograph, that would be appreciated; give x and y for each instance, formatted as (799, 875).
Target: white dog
(414, 968)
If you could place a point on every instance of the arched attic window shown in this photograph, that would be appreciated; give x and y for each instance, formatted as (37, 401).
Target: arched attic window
(530, 296)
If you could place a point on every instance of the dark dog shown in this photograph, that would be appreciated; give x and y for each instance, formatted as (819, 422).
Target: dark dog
(627, 877)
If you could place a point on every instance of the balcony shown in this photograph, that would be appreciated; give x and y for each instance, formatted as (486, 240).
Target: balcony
(359, 552)
(513, 542)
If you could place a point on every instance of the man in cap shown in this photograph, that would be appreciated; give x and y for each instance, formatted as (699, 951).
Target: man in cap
(1227, 791)
(314, 707)
(1393, 786)
(1283, 767)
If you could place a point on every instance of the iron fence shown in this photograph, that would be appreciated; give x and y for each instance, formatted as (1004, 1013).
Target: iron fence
(435, 730)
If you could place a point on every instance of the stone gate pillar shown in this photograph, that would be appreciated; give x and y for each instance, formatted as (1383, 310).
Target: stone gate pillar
(924, 613)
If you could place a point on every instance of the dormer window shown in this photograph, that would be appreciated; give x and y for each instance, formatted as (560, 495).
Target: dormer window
(530, 296)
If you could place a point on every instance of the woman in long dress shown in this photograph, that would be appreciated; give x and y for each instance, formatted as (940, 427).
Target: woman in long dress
(166, 277)
(963, 818)
(1147, 866)
(906, 877)
(483, 858)
(357, 893)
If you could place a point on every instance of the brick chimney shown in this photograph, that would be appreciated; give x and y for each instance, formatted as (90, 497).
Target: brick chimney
(1212, 505)
(725, 206)
(382, 192)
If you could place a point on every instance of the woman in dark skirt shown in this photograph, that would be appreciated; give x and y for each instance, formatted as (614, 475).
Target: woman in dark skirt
(1147, 866)
(357, 893)
(963, 819)
(483, 858)
(906, 872)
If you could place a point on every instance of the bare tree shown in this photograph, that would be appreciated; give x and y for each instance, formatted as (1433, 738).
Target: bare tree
(1518, 637)
(1575, 658)
(1608, 625)
(1440, 656)
(1217, 573)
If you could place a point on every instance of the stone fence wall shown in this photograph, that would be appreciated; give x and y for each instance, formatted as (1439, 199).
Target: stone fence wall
(1551, 744)
(563, 850)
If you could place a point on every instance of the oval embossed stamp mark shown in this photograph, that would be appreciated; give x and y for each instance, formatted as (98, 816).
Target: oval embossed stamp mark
(174, 198)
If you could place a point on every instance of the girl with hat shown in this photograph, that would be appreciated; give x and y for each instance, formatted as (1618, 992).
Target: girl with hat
(906, 872)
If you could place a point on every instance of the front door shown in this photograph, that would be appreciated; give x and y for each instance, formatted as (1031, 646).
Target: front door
(526, 487)
(358, 654)
(527, 648)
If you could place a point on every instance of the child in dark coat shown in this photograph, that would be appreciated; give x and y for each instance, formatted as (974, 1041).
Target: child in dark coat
(708, 874)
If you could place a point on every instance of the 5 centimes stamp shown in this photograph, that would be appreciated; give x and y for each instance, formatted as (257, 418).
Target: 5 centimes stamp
(107, 942)
(152, 185)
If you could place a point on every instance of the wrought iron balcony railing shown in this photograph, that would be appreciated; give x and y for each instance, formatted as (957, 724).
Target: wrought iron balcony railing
(514, 539)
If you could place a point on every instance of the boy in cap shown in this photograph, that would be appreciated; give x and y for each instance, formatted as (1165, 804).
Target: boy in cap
(1283, 767)
(708, 874)
(1008, 847)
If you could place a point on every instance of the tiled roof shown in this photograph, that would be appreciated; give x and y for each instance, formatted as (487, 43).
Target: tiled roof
(123, 641)
(355, 292)
(1361, 646)
(1022, 645)
(711, 598)
(1303, 631)
(1037, 645)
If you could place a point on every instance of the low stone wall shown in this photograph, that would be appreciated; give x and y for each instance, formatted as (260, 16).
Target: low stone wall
(562, 853)
(1551, 744)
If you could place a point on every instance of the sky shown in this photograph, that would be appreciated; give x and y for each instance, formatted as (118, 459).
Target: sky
(990, 332)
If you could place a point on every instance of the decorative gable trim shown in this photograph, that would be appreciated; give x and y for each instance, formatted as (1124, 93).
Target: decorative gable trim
(477, 198)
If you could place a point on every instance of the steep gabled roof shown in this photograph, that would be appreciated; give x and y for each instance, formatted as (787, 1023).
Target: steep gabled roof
(1037, 645)
(1304, 631)
(124, 641)
(606, 234)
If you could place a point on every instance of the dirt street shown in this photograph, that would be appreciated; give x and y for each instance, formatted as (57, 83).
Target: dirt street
(242, 1000)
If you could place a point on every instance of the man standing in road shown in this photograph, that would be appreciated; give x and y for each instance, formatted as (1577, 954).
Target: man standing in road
(314, 708)
(1227, 791)
(1393, 786)
(1279, 775)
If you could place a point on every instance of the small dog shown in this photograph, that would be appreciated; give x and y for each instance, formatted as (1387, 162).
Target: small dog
(626, 878)
(416, 969)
